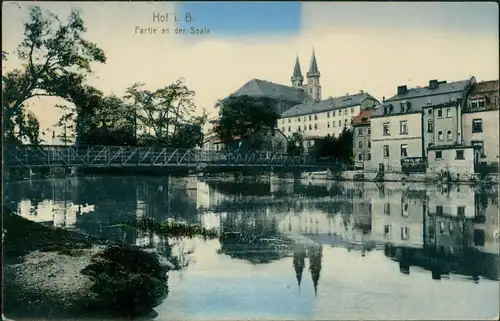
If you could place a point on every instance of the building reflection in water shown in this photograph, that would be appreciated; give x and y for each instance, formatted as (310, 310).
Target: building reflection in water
(299, 261)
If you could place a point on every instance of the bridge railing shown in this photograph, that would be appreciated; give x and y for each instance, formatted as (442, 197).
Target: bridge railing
(119, 156)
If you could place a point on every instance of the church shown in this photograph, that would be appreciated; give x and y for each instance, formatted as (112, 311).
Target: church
(301, 107)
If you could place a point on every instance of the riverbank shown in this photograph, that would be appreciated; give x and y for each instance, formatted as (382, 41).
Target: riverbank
(54, 273)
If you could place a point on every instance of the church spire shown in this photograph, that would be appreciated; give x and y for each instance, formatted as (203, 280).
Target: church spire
(297, 78)
(313, 68)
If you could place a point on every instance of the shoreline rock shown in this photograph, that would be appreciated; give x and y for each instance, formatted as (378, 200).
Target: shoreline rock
(53, 273)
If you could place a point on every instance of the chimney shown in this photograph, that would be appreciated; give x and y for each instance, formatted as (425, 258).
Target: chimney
(402, 89)
(433, 84)
(361, 91)
(383, 98)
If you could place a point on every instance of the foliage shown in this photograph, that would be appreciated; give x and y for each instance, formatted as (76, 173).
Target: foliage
(127, 280)
(241, 116)
(295, 145)
(66, 123)
(166, 114)
(336, 147)
(55, 58)
(171, 229)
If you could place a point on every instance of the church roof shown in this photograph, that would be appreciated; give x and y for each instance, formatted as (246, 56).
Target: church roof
(297, 73)
(263, 88)
(313, 68)
(326, 105)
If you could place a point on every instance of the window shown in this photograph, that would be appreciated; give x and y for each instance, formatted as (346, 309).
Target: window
(333, 113)
(328, 125)
(404, 210)
(439, 210)
(449, 136)
(440, 112)
(333, 123)
(386, 150)
(369, 131)
(333, 135)
(309, 117)
(477, 125)
(439, 154)
(387, 230)
(479, 237)
(429, 111)
(473, 104)
(403, 127)
(340, 123)
(440, 135)
(429, 145)
(460, 154)
(289, 129)
(315, 126)
(289, 120)
(283, 129)
(387, 131)
(360, 131)
(298, 119)
(310, 127)
(327, 114)
(315, 117)
(345, 122)
(448, 112)
(461, 210)
(368, 156)
(345, 111)
(352, 110)
(369, 144)
(405, 233)
(404, 150)
(360, 144)
(481, 103)
(360, 156)
(430, 126)
(299, 129)
(387, 209)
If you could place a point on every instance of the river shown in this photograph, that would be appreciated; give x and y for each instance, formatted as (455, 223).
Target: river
(361, 251)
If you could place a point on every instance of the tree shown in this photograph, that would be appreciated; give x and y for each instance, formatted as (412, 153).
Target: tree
(339, 148)
(241, 116)
(189, 135)
(55, 58)
(295, 145)
(66, 123)
(161, 113)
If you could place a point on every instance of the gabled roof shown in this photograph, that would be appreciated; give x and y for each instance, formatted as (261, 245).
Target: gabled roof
(263, 88)
(326, 105)
(363, 118)
(422, 97)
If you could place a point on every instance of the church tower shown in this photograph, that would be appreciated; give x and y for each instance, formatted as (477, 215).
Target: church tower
(313, 86)
(297, 78)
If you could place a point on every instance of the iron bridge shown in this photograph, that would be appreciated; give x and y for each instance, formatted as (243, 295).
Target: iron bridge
(18, 156)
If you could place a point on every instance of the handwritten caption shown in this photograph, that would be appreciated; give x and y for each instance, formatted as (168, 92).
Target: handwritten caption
(171, 18)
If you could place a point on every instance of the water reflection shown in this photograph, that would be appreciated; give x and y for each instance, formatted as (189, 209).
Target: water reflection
(440, 232)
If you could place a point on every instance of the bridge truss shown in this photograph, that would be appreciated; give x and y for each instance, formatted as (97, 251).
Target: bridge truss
(16, 156)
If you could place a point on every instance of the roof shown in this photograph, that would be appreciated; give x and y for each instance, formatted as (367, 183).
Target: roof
(263, 88)
(313, 68)
(297, 73)
(326, 105)
(421, 97)
(363, 118)
(485, 86)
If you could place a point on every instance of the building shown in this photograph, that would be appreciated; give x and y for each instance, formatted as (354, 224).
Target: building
(480, 121)
(327, 117)
(398, 126)
(361, 137)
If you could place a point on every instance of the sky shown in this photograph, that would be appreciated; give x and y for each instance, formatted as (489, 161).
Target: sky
(366, 46)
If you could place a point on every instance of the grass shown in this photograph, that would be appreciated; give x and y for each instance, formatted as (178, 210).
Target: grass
(23, 236)
(172, 229)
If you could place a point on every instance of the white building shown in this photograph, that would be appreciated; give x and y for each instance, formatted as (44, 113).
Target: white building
(327, 117)
(396, 127)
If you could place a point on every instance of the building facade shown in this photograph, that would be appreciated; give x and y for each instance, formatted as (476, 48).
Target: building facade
(400, 127)
(480, 119)
(361, 137)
